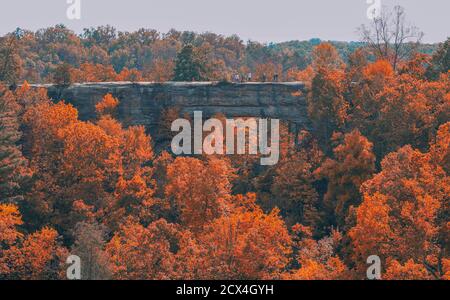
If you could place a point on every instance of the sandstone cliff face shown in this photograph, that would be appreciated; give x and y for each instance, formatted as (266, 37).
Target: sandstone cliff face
(142, 103)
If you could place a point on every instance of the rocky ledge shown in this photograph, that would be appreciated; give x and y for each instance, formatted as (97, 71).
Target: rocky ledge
(142, 103)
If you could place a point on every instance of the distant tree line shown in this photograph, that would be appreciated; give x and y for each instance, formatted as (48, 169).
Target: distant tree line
(105, 54)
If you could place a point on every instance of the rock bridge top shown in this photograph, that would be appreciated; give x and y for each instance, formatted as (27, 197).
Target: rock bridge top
(142, 103)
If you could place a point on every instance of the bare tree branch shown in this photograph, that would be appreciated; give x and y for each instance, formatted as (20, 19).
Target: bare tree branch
(389, 37)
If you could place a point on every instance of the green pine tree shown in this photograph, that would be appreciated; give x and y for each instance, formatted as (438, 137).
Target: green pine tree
(10, 61)
(440, 61)
(189, 66)
(13, 166)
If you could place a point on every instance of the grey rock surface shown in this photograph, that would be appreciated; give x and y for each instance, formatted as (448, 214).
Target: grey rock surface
(142, 103)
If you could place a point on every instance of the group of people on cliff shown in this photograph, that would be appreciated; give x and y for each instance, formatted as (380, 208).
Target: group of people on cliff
(249, 76)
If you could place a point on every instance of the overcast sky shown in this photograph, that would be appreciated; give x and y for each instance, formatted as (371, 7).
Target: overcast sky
(260, 20)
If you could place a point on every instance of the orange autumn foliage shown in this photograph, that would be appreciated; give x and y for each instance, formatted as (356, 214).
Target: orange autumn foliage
(401, 212)
(325, 56)
(333, 269)
(446, 268)
(81, 160)
(353, 164)
(373, 231)
(160, 71)
(9, 218)
(111, 126)
(132, 75)
(39, 256)
(89, 154)
(408, 111)
(327, 107)
(89, 72)
(134, 196)
(408, 271)
(370, 178)
(291, 180)
(440, 149)
(267, 71)
(417, 66)
(200, 190)
(138, 252)
(28, 97)
(44, 121)
(136, 149)
(371, 80)
(35, 256)
(246, 244)
(318, 260)
(306, 76)
(378, 69)
(107, 106)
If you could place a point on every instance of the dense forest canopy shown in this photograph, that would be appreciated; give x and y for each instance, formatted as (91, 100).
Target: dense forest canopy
(151, 55)
(371, 177)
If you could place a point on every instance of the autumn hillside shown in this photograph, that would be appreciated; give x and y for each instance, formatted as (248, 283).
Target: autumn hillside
(371, 176)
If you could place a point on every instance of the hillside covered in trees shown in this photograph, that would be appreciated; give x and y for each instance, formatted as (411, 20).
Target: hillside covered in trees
(104, 54)
(372, 177)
